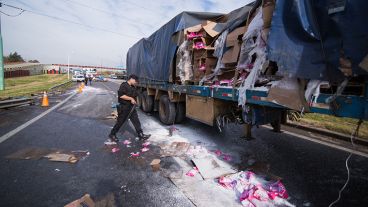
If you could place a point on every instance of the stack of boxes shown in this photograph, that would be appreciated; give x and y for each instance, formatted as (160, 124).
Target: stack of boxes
(202, 48)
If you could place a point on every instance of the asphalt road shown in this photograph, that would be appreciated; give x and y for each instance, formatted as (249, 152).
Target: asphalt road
(312, 173)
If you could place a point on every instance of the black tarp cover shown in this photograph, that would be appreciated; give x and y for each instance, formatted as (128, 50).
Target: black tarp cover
(306, 39)
(150, 58)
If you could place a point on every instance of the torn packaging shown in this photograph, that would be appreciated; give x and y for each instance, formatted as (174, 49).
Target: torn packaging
(210, 167)
(174, 149)
(289, 92)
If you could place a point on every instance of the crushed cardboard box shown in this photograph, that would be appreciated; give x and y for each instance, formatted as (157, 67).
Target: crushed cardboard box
(85, 201)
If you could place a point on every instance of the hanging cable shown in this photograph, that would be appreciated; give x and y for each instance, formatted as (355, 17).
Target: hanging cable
(352, 137)
(10, 15)
(107, 12)
(69, 21)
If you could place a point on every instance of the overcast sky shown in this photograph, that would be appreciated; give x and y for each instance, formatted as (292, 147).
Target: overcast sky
(117, 25)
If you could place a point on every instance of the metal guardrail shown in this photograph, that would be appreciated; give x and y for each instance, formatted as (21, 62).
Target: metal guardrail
(59, 85)
(16, 102)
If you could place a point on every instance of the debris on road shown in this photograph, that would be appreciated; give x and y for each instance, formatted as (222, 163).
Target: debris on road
(110, 142)
(85, 201)
(175, 149)
(57, 155)
(113, 115)
(57, 170)
(254, 191)
(30, 153)
(60, 157)
(197, 152)
(210, 167)
(134, 154)
(146, 144)
(127, 142)
(115, 149)
(155, 164)
(192, 172)
(144, 149)
(172, 129)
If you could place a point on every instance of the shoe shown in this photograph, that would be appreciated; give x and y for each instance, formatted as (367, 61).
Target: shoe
(114, 138)
(143, 136)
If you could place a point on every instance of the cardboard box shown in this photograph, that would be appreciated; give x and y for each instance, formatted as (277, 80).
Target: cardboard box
(209, 27)
(233, 43)
(234, 37)
(85, 201)
(231, 55)
(205, 109)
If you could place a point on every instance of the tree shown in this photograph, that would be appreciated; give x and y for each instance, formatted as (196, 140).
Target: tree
(34, 61)
(13, 57)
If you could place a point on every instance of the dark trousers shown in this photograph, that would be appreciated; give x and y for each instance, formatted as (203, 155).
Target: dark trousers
(123, 112)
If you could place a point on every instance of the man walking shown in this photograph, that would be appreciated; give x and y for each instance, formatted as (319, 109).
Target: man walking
(127, 95)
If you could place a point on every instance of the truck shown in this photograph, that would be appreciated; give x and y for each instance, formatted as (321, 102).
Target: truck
(255, 64)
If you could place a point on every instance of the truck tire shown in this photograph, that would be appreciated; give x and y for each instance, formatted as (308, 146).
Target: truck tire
(139, 101)
(167, 110)
(276, 125)
(180, 112)
(147, 102)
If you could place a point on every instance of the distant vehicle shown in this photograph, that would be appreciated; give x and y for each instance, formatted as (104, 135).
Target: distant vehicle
(113, 76)
(78, 78)
(100, 78)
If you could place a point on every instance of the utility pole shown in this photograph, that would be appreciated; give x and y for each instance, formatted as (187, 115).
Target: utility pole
(2, 82)
(68, 67)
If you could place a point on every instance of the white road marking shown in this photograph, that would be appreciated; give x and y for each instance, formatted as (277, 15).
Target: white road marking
(324, 143)
(23, 126)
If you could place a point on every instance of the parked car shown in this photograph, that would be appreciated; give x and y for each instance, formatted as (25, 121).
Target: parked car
(78, 78)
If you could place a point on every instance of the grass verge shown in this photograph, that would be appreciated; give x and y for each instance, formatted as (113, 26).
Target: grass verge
(27, 85)
(336, 124)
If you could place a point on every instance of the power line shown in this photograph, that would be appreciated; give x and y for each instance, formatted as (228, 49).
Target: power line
(10, 15)
(69, 21)
(107, 12)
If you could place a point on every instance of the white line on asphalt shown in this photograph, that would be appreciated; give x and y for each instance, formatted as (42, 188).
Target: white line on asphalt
(324, 143)
(21, 127)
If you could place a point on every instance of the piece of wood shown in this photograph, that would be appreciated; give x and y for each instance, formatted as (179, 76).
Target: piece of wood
(85, 201)
(59, 157)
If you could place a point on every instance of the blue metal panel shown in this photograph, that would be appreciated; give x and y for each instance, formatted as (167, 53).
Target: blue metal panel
(344, 106)
(225, 93)
(199, 91)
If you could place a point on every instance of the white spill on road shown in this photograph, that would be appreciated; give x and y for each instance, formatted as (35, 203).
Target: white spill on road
(202, 192)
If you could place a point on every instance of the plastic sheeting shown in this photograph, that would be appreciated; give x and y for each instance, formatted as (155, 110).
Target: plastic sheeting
(308, 37)
(253, 44)
(184, 66)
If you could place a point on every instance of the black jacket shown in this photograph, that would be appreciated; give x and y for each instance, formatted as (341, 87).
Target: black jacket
(128, 90)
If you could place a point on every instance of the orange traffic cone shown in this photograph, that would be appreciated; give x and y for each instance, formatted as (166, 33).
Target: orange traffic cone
(79, 89)
(45, 100)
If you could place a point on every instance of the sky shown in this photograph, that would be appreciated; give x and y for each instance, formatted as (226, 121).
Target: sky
(91, 32)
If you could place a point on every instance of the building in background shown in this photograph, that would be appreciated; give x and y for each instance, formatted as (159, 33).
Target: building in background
(22, 69)
(27, 69)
